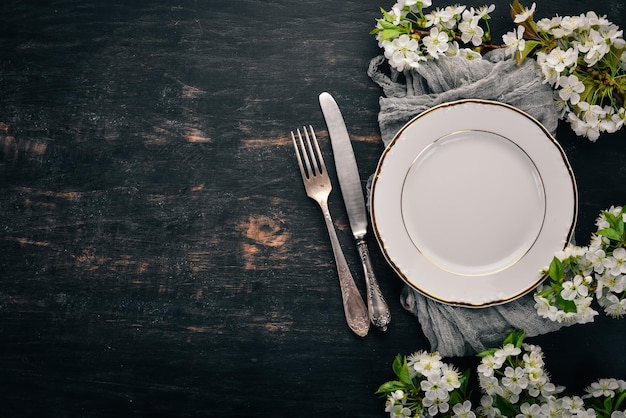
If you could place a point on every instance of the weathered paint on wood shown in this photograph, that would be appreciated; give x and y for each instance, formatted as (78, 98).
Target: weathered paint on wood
(158, 254)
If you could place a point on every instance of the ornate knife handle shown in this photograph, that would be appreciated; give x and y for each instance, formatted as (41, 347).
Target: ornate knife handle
(378, 309)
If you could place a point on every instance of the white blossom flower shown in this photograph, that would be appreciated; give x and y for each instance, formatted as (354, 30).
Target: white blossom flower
(569, 252)
(490, 363)
(470, 55)
(597, 242)
(546, 25)
(553, 408)
(546, 389)
(546, 309)
(396, 405)
(487, 407)
(490, 385)
(573, 404)
(560, 59)
(514, 40)
(526, 14)
(463, 410)
(574, 288)
(509, 395)
(436, 43)
(593, 19)
(569, 24)
(515, 380)
(613, 306)
(616, 284)
(549, 74)
(471, 32)
(607, 124)
(507, 351)
(533, 360)
(450, 377)
(613, 36)
(483, 11)
(616, 263)
(436, 406)
(584, 312)
(398, 411)
(427, 364)
(598, 48)
(571, 87)
(587, 413)
(434, 388)
(595, 256)
(456, 13)
(603, 387)
(588, 129)
(398, 14)
(619, 117)
(403, 52)
(529, 411)
(439, 17)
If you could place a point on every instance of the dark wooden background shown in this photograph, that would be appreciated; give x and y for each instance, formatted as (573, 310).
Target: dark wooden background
(158, 254)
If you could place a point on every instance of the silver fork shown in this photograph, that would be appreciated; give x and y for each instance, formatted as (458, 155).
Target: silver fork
(318, 187)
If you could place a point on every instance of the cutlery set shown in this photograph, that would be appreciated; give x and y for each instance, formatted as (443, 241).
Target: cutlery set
(318, 187)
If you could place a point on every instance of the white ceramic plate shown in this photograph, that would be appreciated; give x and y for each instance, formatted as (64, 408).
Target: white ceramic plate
(470, 200)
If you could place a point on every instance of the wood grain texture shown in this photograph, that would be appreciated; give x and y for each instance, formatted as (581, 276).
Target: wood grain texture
(158, 254)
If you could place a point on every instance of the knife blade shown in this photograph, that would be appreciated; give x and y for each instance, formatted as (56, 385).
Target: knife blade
(352, 192)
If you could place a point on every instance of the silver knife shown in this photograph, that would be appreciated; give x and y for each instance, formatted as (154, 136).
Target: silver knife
(350, 184)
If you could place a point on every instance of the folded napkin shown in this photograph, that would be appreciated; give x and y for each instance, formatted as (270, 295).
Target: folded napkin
(454, 330)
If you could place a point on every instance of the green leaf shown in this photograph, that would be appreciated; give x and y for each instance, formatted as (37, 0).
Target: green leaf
(389, 34)
(510, 339)
(610, 233)
(486, 353)
(546, 292)
(529, 47)
(608, 404)
(611, 219)
(398, 362)
(506, 407)
(556, 271)
(465, 378)
(567, 306)
(455, 397)
(620, 399)
(386, 14)
(401, 369)
(515, 337)
(388, 25)
(389, 387)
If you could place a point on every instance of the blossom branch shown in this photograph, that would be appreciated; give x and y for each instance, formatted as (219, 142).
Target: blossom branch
(583, 58)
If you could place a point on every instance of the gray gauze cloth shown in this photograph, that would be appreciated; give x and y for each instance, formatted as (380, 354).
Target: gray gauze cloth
(454, 330)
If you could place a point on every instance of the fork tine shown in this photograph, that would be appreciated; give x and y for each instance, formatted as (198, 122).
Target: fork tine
(297, 150)
(309, 157)
(314, 160)
(320, 159)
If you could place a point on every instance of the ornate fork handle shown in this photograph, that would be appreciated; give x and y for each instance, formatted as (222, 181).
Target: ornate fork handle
(378, 309)
(353, 305)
